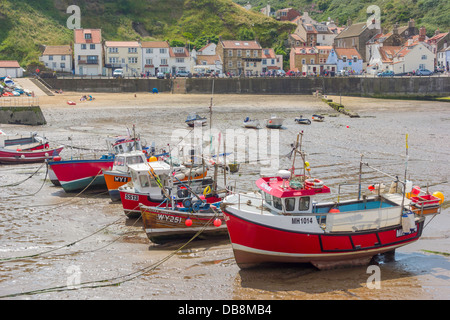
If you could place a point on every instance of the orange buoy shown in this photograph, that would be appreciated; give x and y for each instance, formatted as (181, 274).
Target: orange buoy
(334, 211)
(217, 222)
(188, 222)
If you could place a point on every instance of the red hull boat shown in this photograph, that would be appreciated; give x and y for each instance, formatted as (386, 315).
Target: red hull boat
(28, 156)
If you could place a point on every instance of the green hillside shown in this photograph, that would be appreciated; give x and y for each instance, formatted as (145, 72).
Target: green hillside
(25, 25)
(432, 14)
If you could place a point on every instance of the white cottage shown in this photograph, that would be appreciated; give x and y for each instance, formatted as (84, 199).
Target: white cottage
(155, 57)
(88, 52)
(57, 58)
(10, 69)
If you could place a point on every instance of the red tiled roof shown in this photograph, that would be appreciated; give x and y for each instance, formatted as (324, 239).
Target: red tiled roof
(57, 51)
(270, 54)
(183, 54)
(239, 44)
(96, 35)
(348, 52)
(9, 64)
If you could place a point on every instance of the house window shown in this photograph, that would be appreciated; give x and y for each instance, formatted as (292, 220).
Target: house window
(239, 53)
(344, 59)
(264, 61)
(113, 60)
(63, 58)
(92, 47)
(230, 53)
(83, 46)
(239, 64)
(273, 61)
(180, 60)
(230, 64)
(113, 50)
(422, 67)
(355, 59)
(132, 60)
(247, 52)
(148, 50)
(162, 50)
(311, 61)
(255, 53)
(132, 50)
(303, 61)
(164, 61)
(149, 62)
(63, 65)
(424, 57)
(87, 36)
(50, 58)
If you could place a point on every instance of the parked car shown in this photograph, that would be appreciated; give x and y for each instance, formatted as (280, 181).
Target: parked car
(423, 72)
(160, 75)
(290, 73)
(386, 74)
(118, 73)
(342, 73)
(182, 73)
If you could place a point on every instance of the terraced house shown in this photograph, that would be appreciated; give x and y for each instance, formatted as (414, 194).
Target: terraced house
(155, 57)
(57, 58)
(88, 52)
(125, 55)
(240, 57)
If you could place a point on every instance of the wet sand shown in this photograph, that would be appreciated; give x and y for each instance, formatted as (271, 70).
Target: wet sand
(205, 269)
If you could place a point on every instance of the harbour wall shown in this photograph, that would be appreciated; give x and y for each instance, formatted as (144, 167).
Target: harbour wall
(22, 115)
(402, 87)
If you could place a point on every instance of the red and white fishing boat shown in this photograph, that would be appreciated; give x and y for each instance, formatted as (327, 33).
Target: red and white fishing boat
(23, 143)
(78, 174)
(282, 222)
(153, 183)
(13, 156)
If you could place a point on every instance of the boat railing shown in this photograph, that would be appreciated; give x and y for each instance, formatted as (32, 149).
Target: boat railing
(233, 191)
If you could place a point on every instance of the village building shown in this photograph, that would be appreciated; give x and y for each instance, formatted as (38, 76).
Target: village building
(270, 60)
(155, 57)
(287, 14)
(356, 36)
(295, 40)
(439, 41)
(302, 56)
(347, 60)
(10, 68)
(207, 64)
(58, 58)
(240, 56)
(412, 57)
(88, 52)
(180, 60)
(125, 55)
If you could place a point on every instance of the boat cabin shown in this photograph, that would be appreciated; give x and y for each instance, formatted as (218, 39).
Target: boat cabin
(123, 160)
(123, 144)
(144, 182)
(290, 197)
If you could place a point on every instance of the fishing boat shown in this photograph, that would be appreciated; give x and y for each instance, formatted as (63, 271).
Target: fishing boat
(162, 224)
(194, 119)
(24, 143)
(79, 174)
(150, 182)
(119, 174)
(274, 122)
(318, 118)
(284, 222)
(17, 156)
(301, 120)
(252, 124)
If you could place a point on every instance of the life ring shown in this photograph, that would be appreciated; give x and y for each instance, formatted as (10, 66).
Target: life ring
(313, 184)
(207, 190)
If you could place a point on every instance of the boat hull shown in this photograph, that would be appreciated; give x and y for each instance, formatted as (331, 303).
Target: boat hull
(132, 199)
(114, 180)
(274, 123)
(34, 156)
(162, 224)
(76, 175)
(254, 244)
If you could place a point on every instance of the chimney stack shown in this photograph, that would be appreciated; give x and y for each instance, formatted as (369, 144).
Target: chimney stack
(422, 34)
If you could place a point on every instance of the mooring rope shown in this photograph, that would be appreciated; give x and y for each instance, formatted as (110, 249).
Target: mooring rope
(116, 281)
(20, 182)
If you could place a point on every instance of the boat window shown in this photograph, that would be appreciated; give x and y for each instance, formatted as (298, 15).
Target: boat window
(119, 161)
(277, 203)
(135, 159)
(143, 179)
(290, 204)
(268, 198)
(304, 204)
(153, 182)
